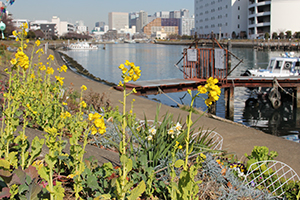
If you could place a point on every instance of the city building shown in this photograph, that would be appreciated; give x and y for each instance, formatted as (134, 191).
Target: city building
(141, 21)
(99, 24)
(226, 18)
(184, 13)
(62, 27)
(164, 14)
(118, 20)
(80, 27)
(164, 26)
(186, 26)
(48, 28)
(175, 14)
(19, 22)
(276, 16)
(132, 18)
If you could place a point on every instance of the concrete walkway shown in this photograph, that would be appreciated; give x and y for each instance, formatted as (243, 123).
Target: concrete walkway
(238, 139)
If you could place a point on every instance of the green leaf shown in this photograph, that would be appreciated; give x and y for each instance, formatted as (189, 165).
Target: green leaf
(92, 182)
(137, 191)
(4, 163)
(59, 191)
(179, 163)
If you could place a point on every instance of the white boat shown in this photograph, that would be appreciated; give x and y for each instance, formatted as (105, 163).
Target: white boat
(283, 66)
(82, 46)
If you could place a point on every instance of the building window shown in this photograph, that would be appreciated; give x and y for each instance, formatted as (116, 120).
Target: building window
(238, 26)
(239, 7)
(238, 17)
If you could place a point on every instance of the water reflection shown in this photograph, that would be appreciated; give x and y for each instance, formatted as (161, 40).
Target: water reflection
(259, 113)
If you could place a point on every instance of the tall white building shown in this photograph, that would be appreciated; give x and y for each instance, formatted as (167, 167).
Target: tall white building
(266, 16)
(187, 25)
(62, 27)
(226, 18)
(141, 21)
(118, 20)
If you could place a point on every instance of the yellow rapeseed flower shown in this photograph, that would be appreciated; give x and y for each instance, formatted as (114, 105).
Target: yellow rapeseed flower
(83, 87)
(64, 68)
(32, 76)
(51, 57)
(120, 84)
(50, 70)
(60, 79)
(94, 130)
(83, 104)
(13, 61)
(37, 43)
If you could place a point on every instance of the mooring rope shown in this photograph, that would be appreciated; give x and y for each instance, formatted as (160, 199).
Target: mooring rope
(161, 92)
(286, 92)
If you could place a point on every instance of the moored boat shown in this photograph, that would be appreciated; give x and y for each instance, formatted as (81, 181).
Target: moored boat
(283, 66)
(82, 46)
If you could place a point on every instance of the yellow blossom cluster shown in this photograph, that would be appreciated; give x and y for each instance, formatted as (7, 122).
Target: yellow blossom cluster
(60, 79)
(132, 73)
(21, 59)
(177, 146)
(64, 115)
(29, 108)
(211, 89)
(98, 123)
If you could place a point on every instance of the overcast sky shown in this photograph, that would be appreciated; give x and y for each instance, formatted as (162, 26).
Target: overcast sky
(90, 11)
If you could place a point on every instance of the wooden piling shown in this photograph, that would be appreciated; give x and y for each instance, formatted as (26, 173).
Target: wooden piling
(229, 102)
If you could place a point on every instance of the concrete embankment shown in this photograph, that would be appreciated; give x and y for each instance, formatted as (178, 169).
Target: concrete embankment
(236, 139)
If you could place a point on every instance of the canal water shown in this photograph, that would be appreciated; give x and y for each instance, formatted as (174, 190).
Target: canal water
(157, 62)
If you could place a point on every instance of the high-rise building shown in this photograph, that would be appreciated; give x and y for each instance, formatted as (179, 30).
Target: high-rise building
(225, 18)
(133, 18)
(166, 26)
(141, 21)
(118, 20)
(175, 14)
(164, 14)
(187, 25)
(99, 24)
(266, 16)
(184, 13)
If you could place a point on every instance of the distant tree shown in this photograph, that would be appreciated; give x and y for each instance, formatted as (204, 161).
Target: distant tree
(267, 35)
(233, 35)
(281, 35)
(288, 34)
(39, 34)
(173, 37)
(31, 34)
(243, 34)
(296, 35)
(9, 25)
(274, 35)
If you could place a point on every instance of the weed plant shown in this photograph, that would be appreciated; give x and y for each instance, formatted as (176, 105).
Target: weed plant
(158, 159)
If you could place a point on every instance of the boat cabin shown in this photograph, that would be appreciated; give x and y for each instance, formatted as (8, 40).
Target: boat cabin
(279, 67)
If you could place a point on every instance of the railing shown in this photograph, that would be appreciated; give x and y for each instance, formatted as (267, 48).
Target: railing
(202, 64)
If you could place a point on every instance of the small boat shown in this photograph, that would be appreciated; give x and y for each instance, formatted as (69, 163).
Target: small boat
(286, 65)
(283, 66)
(82, 46)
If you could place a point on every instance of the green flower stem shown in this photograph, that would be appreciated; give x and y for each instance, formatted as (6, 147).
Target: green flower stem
(187, 140)
(124, 142)
(23, 143)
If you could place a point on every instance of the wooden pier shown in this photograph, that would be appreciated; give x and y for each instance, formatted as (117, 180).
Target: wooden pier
(201, 63)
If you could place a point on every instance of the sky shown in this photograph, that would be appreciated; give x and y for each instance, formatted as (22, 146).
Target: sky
(90, 11)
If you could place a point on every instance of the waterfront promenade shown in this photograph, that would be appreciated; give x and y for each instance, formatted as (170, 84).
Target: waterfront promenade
(238, 139)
